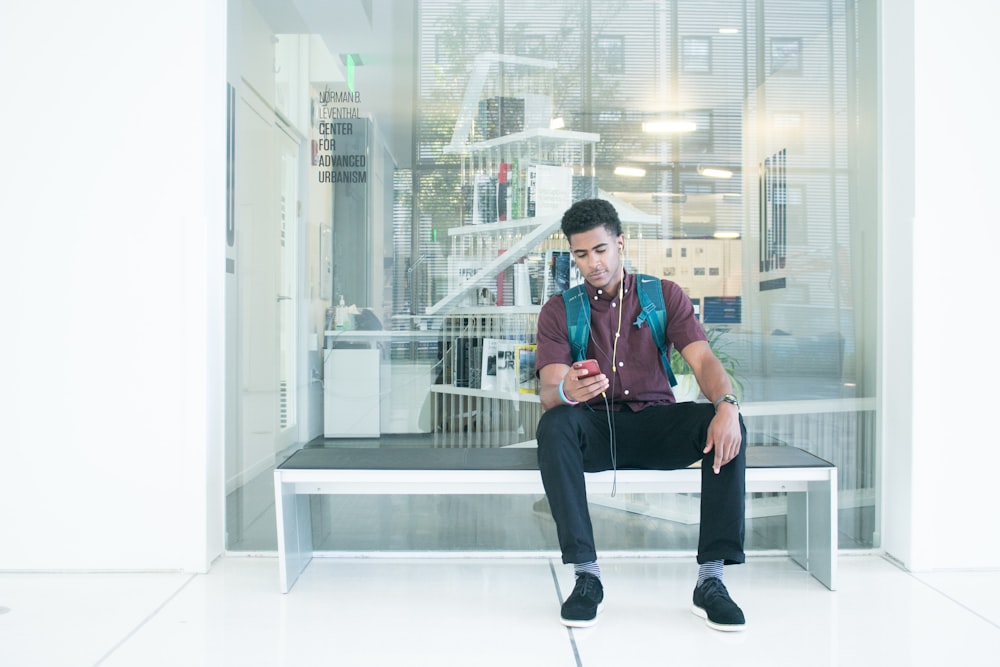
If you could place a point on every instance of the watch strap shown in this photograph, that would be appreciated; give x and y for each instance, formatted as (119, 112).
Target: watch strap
(726, 398)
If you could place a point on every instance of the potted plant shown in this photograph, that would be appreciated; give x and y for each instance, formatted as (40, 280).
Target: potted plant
(687, 387)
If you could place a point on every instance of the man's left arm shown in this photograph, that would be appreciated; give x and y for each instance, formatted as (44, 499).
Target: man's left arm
(724, 434)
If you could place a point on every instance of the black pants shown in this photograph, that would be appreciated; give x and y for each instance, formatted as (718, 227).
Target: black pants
(574, 440)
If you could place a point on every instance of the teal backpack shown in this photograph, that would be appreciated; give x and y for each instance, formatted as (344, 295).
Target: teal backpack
(653, 311)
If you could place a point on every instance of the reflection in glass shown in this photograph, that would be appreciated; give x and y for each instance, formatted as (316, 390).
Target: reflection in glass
(452, 258)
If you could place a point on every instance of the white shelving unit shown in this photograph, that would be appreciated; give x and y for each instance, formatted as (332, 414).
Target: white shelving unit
(537, 139)
(480, 253)
(537, 145)
(484, 393)
(478, 417)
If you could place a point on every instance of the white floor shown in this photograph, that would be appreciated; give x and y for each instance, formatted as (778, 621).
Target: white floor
(495, 612)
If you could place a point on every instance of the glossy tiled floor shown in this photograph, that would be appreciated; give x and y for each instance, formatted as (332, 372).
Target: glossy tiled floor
(494, 612)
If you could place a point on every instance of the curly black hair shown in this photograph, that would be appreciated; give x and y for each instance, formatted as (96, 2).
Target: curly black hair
(587, 214)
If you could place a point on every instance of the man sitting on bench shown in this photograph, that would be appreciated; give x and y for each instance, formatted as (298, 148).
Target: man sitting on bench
(623, 413)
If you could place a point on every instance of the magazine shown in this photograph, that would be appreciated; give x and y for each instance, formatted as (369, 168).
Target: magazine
(524, 358)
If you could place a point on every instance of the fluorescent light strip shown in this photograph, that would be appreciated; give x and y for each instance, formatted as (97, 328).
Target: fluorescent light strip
(630, 171)
(665, 126)
(711, 172)
(670, 196)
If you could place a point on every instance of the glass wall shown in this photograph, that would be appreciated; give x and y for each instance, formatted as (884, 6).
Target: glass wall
(440, 141)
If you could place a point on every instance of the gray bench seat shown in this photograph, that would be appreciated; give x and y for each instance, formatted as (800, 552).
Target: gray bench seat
(809, 481)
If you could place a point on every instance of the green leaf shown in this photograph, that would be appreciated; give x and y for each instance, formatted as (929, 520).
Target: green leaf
(718, 345)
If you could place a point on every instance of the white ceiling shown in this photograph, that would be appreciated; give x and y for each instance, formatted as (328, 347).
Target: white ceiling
(384, 43)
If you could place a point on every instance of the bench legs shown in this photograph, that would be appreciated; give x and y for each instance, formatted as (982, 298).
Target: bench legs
(295, 545)
(812, 529)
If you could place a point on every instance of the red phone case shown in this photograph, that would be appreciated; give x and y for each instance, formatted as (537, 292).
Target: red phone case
(590, 365)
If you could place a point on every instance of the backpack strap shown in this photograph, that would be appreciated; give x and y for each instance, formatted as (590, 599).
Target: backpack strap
(654, 312)
(577, 320)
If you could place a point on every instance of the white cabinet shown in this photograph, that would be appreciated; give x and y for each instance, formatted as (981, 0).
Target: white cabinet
(351, 400)
(406, 397)
(366, 394)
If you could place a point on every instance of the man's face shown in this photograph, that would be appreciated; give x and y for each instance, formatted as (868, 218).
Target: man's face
(598, 256)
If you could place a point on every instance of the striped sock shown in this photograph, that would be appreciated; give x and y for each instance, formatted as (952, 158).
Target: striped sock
(592, 568)
(712, 568)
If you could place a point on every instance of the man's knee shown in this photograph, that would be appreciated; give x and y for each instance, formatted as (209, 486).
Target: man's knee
(555, 422)
(559, 436)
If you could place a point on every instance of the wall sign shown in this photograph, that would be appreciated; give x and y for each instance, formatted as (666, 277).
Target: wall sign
(334, 157)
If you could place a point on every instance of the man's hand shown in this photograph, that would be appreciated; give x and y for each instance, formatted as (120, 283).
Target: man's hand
(577, 384)
(724, 435)
(580, 386)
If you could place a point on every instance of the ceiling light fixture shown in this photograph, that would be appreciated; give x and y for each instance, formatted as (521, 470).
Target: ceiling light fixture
(557, 124)
(726, 235)
(667, 126)
(677, 197)
(714, 172)
(630, 171)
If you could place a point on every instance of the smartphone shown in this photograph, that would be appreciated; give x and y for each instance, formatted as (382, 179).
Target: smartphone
(590, 365)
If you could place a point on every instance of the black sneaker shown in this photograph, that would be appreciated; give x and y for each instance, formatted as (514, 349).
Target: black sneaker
(582, 606)
(712, 602)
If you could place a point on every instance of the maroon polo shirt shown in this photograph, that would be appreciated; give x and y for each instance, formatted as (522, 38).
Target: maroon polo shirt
(640, 379)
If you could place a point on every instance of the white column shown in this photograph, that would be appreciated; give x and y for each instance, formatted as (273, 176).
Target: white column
(940, 464)
(112, 270)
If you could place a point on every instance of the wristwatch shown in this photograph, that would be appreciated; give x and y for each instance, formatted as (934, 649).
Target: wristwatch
(727, 398)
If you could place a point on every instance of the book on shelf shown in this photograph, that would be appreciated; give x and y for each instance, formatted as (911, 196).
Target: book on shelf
(467, 370)
(499, 116)
(550, 189)
(524, 360)
(460, 270)
(505, 285)
(491, 346)
(502, 115)
(522, 284)
(536, 276)
(503, 191)
(506, 371)
(556, 277)
(498, 368)
(484, 202)
(514, 190)
(530, 180)
(468, 199)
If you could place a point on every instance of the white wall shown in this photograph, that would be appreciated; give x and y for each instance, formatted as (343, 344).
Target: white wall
(941, 447)
(113, 135)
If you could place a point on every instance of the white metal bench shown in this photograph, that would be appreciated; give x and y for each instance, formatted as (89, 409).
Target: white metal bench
(809, 481)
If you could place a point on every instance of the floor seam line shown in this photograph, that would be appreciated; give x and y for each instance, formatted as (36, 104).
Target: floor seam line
(144, 621)
(569, 631)
(960, 605)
